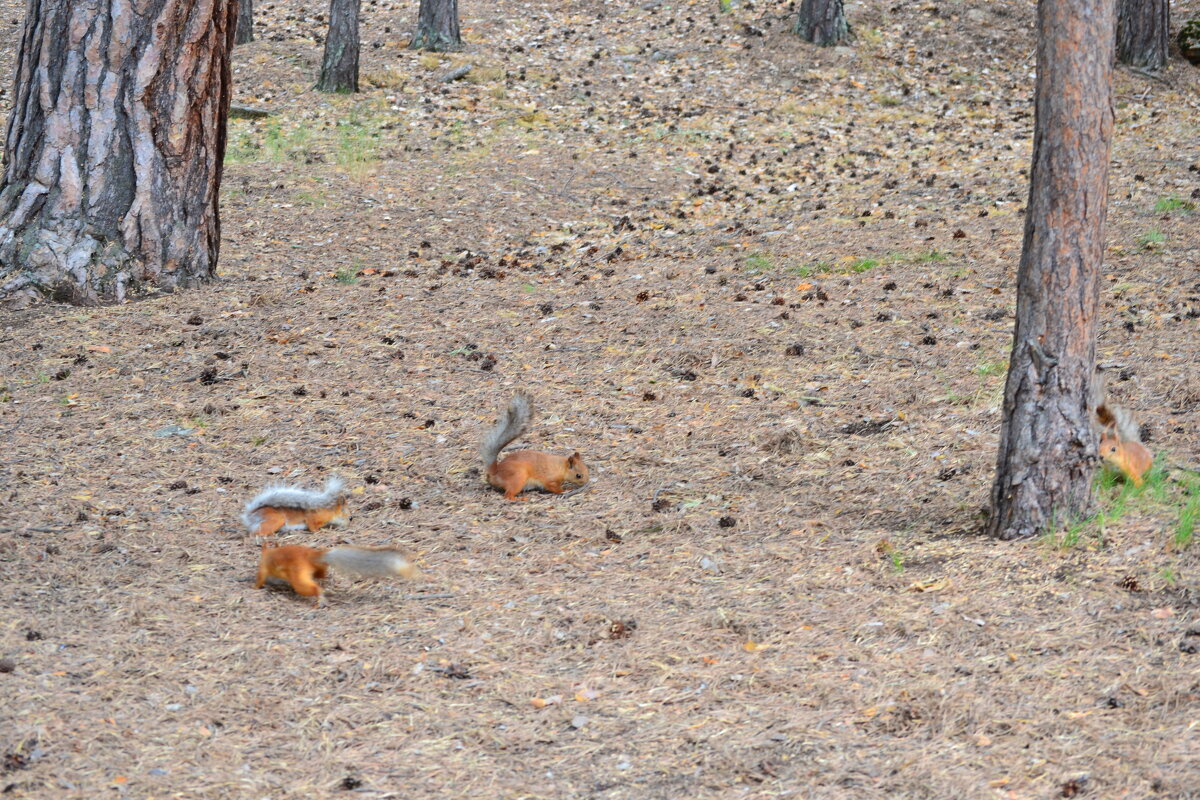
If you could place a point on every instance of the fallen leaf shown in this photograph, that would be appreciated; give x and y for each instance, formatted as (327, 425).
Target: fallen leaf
(542, 702)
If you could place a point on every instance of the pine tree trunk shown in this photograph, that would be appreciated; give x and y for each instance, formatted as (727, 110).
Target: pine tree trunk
(1047, 444)
(339, 69)
(822, 22)
(1143, 32)
(245, 22)
(114, 147)
(437, 26)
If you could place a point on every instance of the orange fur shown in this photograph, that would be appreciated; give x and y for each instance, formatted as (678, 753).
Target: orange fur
(529, 469)
(1133, 459)
(300, 566)
(313, 519)
(303, 566)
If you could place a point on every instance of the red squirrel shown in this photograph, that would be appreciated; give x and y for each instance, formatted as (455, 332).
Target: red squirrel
(526, 469)
(292, 508)
(303, 566)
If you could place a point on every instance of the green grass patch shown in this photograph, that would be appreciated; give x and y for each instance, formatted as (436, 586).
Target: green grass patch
(809, 270)
(1167, 205)
(1151, 239)
(1189, 513)
(758, 263)
(990, 368)
(931, 256)
(356, 145)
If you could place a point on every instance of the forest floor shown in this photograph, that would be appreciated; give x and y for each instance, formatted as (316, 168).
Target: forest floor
(765, 289)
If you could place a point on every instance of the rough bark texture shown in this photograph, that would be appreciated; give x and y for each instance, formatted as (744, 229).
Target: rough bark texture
(1143, 32)
(114, 147)
(339, 69)
(822, 22)
(1047, 445)
(245, 23)
(437, 26)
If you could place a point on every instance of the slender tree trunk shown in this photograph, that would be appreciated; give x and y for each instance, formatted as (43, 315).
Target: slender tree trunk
(1143, 31)
(114, 147)
(245, 22)
(339, 69)
(1047, 443)
(437, 26)
(822, 22)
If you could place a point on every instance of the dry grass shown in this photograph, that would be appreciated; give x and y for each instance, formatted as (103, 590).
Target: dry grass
(718, 616)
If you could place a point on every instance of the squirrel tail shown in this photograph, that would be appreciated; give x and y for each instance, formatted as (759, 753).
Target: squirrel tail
(507, 428)
(378, 563)
(335, 489)
(1119, 421)
(1112, 419)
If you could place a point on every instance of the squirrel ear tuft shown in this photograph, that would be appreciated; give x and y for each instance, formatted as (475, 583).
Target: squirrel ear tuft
(575, 456)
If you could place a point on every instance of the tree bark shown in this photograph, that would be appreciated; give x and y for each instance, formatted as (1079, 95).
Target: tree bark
(1047, 443)
(437, 26)
(1143, 33)
(339, 68)
(245, 23)
(822, 22)
(114, 147)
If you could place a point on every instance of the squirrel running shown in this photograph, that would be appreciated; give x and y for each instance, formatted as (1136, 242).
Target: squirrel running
(303, 566)
(292, 508)
(526, 469)
(1121, 439)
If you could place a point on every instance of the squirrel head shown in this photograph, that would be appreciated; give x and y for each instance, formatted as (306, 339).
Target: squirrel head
(1110, 446)
(577, 471)
(339, 514)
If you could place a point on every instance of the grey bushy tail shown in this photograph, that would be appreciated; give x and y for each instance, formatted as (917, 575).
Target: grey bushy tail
(1113, 419)
(508, 427)
(365, 561)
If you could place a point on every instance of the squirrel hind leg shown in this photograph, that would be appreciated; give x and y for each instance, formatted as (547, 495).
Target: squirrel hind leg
(270, 521)
(301, 578)
(504, 476)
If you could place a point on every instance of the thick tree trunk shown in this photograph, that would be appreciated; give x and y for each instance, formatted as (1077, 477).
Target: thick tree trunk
(822, 22)
(1047, 444)
(437, 26)
(1143, 32)
(245, 23)
(114, 147)
(339, 69)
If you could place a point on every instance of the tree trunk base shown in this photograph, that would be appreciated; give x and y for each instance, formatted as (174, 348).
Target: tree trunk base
(113, 150)
(435, 42)
(822, 22)
(64, 265)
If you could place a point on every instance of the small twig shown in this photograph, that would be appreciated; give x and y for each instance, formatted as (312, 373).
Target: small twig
(1145, 73)
(434, 596)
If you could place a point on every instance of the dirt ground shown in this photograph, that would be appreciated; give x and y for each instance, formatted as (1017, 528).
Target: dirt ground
(765, 289)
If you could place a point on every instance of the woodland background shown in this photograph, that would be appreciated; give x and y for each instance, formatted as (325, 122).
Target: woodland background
(765, 288)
